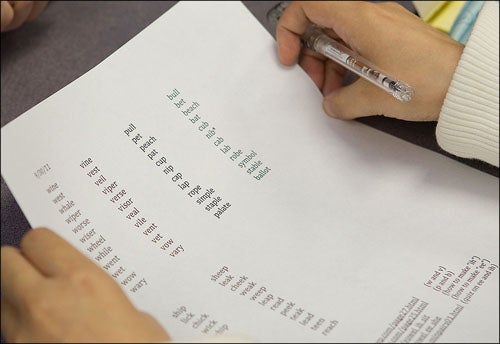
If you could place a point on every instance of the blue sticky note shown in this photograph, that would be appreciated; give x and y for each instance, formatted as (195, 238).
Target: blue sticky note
(463, 24)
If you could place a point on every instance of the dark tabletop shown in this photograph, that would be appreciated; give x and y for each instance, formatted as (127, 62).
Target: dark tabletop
(69, 38)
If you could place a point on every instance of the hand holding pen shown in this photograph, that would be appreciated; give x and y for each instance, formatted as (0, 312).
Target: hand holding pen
(364, 37)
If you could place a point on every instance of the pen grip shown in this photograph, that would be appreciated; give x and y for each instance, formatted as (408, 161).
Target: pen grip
(315, 39)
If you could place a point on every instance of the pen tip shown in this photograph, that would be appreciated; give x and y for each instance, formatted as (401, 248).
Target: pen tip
(402, 91)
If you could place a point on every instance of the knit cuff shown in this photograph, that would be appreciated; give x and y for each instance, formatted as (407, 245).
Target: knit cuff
(468, 122)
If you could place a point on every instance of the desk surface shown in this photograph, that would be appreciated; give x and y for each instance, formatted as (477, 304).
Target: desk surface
(70, 38)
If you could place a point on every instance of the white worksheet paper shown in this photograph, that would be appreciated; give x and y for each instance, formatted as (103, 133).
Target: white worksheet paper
(207, 180)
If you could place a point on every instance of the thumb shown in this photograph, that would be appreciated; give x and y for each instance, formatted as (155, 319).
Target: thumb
(359, 99)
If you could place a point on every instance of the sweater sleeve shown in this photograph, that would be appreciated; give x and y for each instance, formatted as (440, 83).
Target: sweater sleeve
(468, 122)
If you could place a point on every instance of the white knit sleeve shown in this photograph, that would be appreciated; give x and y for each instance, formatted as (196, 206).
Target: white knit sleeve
(468, 122)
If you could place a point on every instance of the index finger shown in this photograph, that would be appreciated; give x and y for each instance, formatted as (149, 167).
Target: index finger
(51, 254)
(291, 25)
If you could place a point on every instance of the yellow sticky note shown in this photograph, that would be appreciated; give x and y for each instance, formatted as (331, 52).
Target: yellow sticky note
(439, 14)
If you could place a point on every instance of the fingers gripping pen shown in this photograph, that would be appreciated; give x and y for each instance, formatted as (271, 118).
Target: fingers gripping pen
(315, 39)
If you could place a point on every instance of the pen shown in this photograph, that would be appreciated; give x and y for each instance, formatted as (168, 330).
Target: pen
(315, 39)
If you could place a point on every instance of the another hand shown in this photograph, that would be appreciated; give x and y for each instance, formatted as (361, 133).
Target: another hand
(15, 13)
(386, 34)
(53, 293)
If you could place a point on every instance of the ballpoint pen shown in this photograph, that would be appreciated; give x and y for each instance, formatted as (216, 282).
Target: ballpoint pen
(315, 39)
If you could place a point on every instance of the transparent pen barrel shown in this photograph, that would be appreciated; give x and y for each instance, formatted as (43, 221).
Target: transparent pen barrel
(331, 49)
(316, 40)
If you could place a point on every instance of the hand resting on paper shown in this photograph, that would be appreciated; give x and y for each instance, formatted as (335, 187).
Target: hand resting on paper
(16, 13)
(388, 35)
(53, 293)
